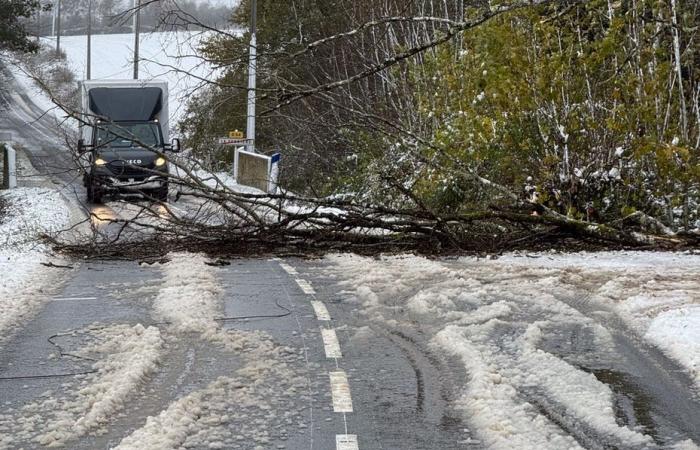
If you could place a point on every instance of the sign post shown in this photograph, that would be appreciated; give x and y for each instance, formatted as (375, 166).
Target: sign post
(237, 139)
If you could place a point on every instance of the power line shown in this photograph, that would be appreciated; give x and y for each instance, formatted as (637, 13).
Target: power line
(58, 27)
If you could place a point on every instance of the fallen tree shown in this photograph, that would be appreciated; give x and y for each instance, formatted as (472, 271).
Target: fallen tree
(219, 217)
(212, 213)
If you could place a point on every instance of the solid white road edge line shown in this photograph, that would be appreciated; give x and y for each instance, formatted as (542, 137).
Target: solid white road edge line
(340, 391)
(346, 442)
(330, 343)
(320, 310)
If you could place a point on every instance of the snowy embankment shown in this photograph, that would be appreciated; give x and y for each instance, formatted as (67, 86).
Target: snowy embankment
(29, 213)
(510, 320)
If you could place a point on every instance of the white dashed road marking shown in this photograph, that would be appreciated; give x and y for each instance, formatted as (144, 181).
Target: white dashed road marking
(72, 299)
(340, 388)
(320, 310)
(340, 391)
(346, 442)
(330, 343)
(289, 269)
(305, 286)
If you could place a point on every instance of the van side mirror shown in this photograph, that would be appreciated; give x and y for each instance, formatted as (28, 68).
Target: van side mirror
(81, 146)
(175, 145)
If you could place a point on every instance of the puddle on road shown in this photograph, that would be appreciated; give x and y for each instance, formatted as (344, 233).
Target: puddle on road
(633, 407)
(102, 215)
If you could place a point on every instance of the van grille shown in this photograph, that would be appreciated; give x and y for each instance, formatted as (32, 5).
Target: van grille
(125, 170)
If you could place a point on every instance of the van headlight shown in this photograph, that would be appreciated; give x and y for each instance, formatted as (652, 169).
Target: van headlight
(160, 161)
(100, 162)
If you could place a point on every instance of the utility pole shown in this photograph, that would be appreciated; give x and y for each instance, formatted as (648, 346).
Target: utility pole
(137, 25)
(89, 40)
(38, 24)
(58, 27)
(252, 63)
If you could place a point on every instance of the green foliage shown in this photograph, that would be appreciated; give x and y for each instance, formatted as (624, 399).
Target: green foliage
(315, 154)
(579, 107)
(577, 110)
(13, 35)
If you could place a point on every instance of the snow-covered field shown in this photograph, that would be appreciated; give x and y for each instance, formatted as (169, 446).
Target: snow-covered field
(163, 55)
(30, 213)
(509, 321)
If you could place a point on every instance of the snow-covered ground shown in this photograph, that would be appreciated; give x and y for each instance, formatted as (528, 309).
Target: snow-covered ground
(30, 213)
(507, 319)
(657, 294)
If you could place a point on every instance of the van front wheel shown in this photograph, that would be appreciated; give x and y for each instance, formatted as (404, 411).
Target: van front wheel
(161, 194)
(94, 193)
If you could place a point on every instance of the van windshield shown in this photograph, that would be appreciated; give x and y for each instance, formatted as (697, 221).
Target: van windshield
(125, 135)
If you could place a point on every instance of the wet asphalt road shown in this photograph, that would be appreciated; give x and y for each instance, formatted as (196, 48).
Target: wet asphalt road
(32, 129)
(402, 391)
(398, 397)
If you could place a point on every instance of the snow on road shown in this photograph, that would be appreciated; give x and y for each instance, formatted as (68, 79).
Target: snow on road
(504, 318)
(233, 410)
(655, 293)
(249, 399)
(189, 298)
(126, 357)
(30, 213)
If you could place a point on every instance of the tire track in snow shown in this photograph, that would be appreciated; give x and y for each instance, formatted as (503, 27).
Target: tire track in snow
(232, 410)
(480, 314)
(129, 355)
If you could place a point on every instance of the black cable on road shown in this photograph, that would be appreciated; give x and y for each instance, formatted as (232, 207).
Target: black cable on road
(56, 375)
(260, 316)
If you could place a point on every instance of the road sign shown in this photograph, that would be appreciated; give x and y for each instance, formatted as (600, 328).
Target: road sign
(235, 134)
(236, 141)
(252, 169)
(256, 170)
(274, 173)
